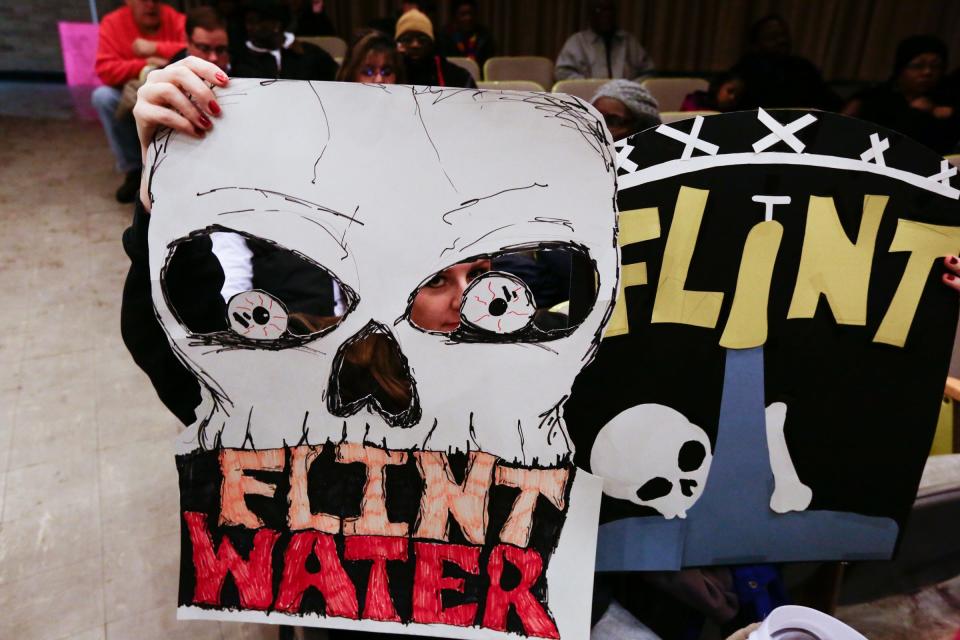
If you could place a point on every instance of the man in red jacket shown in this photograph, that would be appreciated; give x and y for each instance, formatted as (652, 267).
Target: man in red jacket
(134, 40)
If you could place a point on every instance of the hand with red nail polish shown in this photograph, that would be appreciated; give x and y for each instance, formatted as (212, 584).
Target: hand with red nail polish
(952, 277)
(177, 97)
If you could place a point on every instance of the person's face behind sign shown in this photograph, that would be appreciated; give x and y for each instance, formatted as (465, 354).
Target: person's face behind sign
(210, 46)
(618, 118)
(146, 14)
(415, 46)
(265, 32)
(436, 306)
(728, 94)
(921, 75)
(376, 68)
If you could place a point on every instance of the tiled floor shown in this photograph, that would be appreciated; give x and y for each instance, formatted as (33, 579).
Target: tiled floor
(88, 490)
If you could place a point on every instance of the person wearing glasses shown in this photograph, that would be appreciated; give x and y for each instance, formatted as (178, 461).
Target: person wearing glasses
(423, 65)
(206, 38)
(914, 101)
(626, 107)
(373, 58)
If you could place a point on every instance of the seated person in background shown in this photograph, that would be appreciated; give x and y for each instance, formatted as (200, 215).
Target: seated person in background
(463, 37)
(722, 95)
(373, 59)
(915, 100)
(388, 23)
(273, 52)
(134, 39)
(626, 107)
(312, 19)
(423, 66)
(206, 38)
(773, 77)
(603, 50)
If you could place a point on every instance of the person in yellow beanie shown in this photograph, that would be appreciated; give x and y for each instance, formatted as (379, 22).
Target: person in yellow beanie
(415, 41)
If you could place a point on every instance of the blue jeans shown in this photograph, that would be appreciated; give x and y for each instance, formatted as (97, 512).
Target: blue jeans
(121, 134)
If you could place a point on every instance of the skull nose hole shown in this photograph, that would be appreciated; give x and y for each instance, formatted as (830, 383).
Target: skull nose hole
(371, 371)
(654, 488)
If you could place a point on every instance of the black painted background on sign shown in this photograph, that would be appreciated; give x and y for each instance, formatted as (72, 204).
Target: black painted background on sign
(337, 489)
(860, 415)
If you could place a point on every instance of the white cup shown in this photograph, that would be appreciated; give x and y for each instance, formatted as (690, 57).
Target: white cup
(801, 623)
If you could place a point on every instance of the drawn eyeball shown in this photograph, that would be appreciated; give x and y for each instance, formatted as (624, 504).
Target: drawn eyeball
(257, 315)
(497, 302)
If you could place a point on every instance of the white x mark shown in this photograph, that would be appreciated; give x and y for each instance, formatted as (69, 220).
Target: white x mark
(781, 132)
(690, 140)
(875, 152)
(623, 160)
(946, 172)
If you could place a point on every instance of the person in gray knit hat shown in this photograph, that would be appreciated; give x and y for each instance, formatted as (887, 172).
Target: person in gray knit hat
(626, 107)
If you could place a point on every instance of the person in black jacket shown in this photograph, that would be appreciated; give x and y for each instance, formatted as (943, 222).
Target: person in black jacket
(915, 100)
(423, 65)
(463, 36)
(273, 52)
(776, 78)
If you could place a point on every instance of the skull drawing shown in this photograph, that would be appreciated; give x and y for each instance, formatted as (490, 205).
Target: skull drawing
(372, 191)
(653, 456)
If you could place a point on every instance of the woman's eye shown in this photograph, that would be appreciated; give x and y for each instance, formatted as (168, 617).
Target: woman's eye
(476, 273)
(256, 315)
(436, 282)
(497, 302)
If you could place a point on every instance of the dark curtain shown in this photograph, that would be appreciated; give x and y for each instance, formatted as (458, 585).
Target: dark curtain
(847, 39)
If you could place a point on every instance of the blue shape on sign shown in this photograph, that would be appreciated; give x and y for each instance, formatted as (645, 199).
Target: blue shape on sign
(732, 522)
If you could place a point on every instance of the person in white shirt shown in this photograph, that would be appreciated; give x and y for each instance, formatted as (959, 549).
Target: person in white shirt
(603, 50)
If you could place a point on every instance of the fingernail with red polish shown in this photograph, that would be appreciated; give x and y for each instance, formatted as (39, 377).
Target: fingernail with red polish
(214, 108)
(222, 77)
(205, 121)
(949, 277)
(953, 261)
(200, 132)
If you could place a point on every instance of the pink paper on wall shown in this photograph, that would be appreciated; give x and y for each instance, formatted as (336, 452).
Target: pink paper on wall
(79, 43)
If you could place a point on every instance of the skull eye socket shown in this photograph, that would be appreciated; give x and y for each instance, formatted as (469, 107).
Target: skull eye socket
(522, 294)
(234, 289)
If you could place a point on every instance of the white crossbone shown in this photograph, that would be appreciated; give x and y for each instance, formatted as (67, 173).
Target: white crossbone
(690, 140)
(768, 203)
(781, 132)
(623, 157)
(875, 152)
(946, 172)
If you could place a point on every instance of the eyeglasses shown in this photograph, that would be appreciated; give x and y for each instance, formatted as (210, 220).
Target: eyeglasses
(206, 49)
(409, 38)
(372, 71)
(614, 122)
(923, 66)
